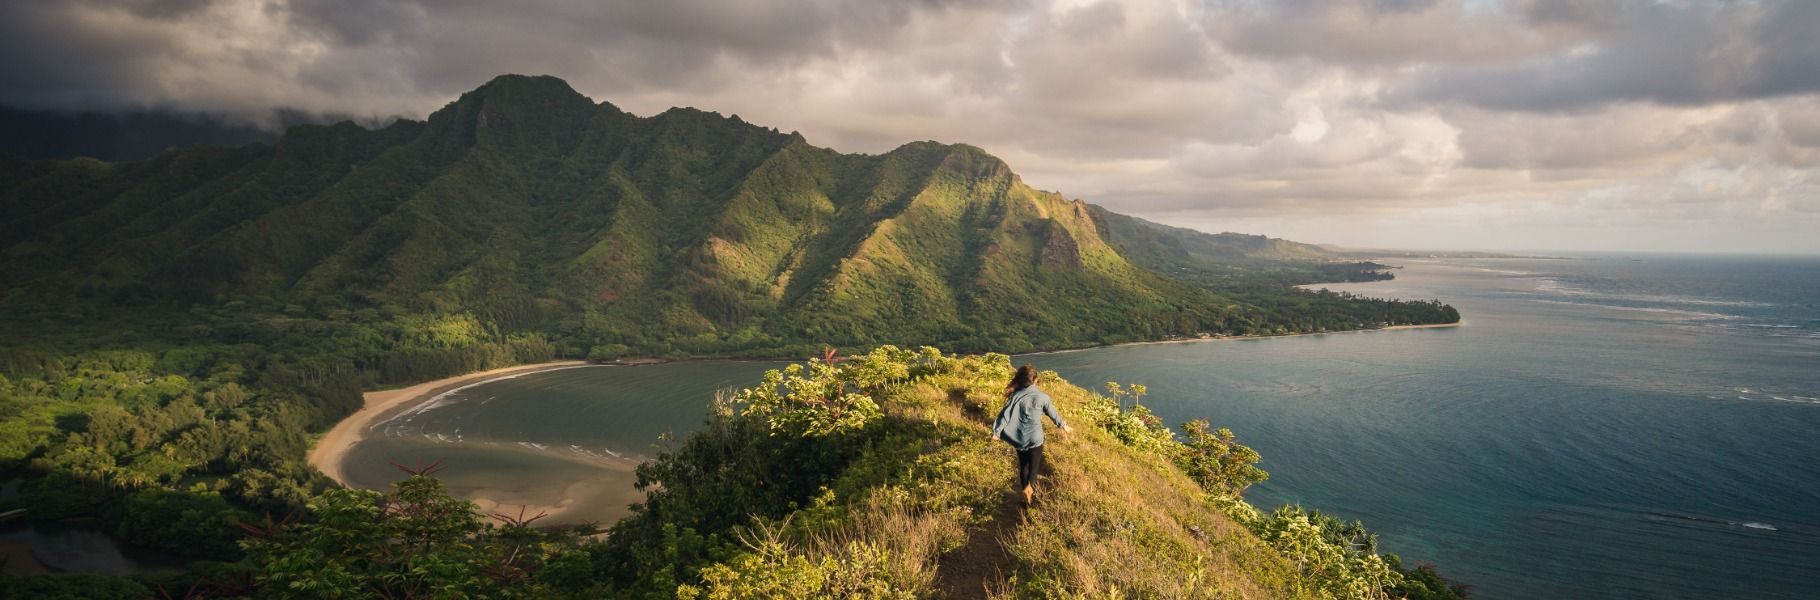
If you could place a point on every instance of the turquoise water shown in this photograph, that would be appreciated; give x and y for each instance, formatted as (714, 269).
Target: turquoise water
(1625, 427)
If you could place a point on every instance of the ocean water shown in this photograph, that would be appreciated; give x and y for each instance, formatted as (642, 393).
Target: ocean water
(569, 433)
(1618, 426)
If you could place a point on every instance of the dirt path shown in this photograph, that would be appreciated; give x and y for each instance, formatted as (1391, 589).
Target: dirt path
(972, 570)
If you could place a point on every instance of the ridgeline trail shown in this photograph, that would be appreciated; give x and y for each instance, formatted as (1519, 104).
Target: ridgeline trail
(975, 569)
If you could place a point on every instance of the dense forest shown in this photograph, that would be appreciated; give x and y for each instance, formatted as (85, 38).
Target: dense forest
(179, 326)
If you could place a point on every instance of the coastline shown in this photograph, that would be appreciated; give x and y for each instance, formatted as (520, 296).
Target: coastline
(329, 451)
(1241, 338)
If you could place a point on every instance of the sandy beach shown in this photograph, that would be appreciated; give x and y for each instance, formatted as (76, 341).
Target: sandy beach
(329, 451)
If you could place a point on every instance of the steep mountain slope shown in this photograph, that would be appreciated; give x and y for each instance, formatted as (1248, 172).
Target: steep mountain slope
(1250, 265)
(531, 208)
(1159, 245)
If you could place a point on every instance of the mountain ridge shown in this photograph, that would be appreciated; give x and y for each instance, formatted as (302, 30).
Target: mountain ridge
(527, 203)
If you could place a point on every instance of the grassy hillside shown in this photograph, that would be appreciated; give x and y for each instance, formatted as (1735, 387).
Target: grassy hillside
(869, 478)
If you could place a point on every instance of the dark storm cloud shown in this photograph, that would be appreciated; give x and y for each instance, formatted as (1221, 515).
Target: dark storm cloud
(1667, 53)
(99, 53)
(53, 60)
(1385, 33)
(1544, 55)
(447, 46)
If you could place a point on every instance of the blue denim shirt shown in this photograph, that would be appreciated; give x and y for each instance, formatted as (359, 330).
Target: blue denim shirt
(1020, 422)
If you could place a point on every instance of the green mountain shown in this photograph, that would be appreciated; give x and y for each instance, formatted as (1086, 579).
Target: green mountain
(1161, 246)
(526, 207)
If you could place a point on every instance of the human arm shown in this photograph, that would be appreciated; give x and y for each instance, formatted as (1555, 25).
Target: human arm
(1055, 415)
(998, 424)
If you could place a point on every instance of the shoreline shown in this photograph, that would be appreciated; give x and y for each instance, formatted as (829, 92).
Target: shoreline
(332, 448)
(328, 453)
(1241, 338)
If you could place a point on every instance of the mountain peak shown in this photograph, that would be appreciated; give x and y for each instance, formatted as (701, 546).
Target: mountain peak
(513, 86)
(538, 110)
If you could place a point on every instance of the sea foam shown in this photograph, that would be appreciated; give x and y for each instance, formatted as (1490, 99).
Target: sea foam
(447, 397)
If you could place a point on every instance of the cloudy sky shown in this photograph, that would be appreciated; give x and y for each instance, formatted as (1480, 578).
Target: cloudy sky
(1525, 124)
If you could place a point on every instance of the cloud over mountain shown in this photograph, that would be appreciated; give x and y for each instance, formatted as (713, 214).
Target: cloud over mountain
(1680, 124)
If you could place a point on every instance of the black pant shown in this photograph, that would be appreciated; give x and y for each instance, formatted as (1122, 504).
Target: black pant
(1028, 463)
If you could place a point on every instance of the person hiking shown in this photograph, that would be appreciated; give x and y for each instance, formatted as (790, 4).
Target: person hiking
(1020, 423)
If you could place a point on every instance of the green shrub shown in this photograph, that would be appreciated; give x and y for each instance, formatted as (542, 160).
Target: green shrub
(770, 570)
(1337, 560)
(203, 525)
(414, 541)
(808, 401)
(1217, 461)
(74, 586)
(1135, 427)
